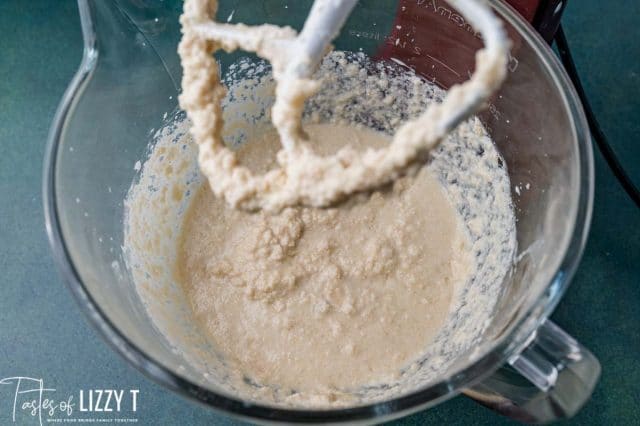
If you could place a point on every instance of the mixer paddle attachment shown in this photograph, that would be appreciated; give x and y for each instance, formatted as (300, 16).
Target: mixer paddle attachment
(303, 177)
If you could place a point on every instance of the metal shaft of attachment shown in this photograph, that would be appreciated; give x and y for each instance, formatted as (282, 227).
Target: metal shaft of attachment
(323, 24)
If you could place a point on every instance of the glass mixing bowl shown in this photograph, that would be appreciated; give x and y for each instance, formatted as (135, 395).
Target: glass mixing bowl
(525, 367)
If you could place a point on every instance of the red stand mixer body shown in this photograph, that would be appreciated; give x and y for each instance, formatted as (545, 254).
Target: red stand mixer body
(527, 8)
(544, 15)
(437, 56)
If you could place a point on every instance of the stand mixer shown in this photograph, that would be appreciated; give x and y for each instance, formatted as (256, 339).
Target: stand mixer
(526, 367)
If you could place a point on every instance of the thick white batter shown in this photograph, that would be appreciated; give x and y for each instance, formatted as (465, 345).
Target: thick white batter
(319, 300)
(251, 302)
(307, 299)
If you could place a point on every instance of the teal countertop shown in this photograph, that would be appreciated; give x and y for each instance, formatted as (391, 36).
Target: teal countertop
(44, 335)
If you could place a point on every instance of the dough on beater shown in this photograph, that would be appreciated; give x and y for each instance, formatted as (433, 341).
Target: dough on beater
(304, 177)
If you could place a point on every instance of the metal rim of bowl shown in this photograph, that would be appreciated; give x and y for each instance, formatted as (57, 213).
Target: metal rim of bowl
(399, 406)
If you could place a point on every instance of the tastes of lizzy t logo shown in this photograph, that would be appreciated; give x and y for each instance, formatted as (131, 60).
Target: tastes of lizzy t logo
(26, 400)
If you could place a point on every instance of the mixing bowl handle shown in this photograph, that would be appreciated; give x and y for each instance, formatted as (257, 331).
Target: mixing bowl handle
(549, 380)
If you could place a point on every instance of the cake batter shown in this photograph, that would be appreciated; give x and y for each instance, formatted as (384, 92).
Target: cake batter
(309, 307)
(315, 300)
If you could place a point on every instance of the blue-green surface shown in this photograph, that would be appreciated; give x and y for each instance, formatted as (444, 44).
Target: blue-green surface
(44, 335)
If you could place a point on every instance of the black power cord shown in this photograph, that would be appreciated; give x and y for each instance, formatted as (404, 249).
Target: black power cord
(598, 135)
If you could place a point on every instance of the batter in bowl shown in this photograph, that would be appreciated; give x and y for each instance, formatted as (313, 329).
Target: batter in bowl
(303, 301)
(318, 307)
(324, 299)
(299, 297)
